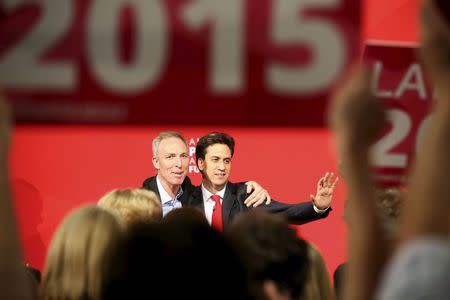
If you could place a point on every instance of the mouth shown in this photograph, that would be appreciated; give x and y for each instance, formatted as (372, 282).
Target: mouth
(178, 174)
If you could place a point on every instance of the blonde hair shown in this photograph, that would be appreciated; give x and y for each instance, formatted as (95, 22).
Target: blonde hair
(77, 255)
(318, 283)
(389, 202)
(133, 205)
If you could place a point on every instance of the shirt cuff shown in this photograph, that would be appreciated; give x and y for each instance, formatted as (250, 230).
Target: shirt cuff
(320, 211)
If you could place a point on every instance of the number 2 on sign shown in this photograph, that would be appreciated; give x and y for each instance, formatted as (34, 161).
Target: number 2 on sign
(20, 66)
(401, 129)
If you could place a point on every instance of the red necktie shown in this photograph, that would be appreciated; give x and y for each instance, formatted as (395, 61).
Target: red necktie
(217, 213)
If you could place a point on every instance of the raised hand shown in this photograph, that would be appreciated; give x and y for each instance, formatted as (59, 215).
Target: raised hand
(325, 189)
(435, 43)
(356, 115)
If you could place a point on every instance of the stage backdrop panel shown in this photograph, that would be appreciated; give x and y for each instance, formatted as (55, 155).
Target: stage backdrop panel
(233, 62)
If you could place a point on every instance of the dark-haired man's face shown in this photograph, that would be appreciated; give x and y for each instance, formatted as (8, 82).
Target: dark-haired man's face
(216, 167)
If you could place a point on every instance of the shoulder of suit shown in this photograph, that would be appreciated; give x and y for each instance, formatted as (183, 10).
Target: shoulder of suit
(148, 182)
(236, 187)
(196, 190)
(187, 184)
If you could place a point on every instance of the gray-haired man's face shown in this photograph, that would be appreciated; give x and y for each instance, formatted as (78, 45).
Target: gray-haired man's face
(172, 161)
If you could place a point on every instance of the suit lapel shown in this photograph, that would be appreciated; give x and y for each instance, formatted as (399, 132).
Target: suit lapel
(187, 190)
(153, 186)
(228, 203)
(196, 199)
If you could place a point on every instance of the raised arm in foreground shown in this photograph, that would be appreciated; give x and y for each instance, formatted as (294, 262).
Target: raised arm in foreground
(13, 281)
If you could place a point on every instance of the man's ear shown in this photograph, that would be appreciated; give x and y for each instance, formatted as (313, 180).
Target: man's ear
(155, 162)
(200, 164)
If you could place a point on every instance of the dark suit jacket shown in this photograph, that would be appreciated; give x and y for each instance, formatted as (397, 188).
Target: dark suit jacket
(233, 204)
(151, 185)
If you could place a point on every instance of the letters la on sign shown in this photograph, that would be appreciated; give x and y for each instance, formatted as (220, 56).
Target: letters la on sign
(401, 83)
(196, 62)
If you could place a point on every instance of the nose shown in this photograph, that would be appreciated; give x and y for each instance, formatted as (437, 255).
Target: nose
(221, 166)
(178, 162)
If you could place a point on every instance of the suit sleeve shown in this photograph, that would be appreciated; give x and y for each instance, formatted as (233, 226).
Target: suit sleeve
(146, 184)
(298, 214)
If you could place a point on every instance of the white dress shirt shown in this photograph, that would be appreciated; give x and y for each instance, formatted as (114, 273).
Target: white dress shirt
(210, 203)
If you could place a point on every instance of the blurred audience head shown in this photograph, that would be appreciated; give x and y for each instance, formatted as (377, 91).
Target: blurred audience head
(133, 205)
(318, 284)
(275, 258)
(338, 279)
(186, 216)
(182, 257)
(34, 272)
(78, 254)
(32, 280)
(388, 202)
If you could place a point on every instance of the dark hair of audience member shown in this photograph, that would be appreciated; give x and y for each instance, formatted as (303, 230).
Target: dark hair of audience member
(181, 257)
(187, 216)
(271, 252)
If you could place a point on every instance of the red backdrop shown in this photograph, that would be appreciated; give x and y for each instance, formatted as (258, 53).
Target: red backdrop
(56, 168)
(96, 62)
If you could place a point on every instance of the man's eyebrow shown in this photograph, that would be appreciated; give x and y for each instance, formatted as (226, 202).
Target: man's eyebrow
(218, 157)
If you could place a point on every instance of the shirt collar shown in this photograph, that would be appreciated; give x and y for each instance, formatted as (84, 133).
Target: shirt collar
(165, 197)
(207, 194)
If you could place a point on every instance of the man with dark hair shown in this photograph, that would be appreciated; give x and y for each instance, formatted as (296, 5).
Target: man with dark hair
(222, 200)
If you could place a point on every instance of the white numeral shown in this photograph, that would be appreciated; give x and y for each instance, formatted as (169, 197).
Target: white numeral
(320, 36)
(21, 66)
(226, 55)
(401, 127)
(421, 131)
(150, 49)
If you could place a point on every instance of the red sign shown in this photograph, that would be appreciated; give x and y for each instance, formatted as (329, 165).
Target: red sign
(400, 82)
(241, 62)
